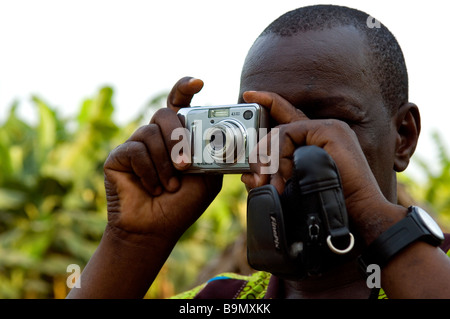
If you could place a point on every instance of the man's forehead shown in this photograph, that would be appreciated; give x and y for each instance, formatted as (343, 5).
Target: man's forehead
(273, 51)
(311, 59)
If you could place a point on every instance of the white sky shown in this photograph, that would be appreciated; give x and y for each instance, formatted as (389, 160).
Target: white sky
(65, 50)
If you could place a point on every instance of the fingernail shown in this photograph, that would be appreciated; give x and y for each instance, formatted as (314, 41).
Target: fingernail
(195, 81)
(246, 95)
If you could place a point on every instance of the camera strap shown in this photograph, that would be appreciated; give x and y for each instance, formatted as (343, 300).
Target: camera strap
(339, 239)
(308, 221)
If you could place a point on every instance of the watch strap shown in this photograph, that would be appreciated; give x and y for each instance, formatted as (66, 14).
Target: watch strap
(390, 243)
(395, 239)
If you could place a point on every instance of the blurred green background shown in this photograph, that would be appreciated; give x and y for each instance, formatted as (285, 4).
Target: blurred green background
(53, 207)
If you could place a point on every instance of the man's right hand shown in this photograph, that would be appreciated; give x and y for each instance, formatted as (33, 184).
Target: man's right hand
(150, 204)
(146, 194)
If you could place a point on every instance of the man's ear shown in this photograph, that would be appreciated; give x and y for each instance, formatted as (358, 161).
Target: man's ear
(407, 122)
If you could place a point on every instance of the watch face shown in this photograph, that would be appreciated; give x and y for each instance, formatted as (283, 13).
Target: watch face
(429, 222)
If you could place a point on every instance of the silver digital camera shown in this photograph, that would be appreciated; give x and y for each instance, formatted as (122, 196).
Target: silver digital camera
(223, 137)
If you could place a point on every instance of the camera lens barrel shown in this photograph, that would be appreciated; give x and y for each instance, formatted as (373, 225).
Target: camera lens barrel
(226, 141)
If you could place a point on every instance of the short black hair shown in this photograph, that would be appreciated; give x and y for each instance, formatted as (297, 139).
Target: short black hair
(388, 63)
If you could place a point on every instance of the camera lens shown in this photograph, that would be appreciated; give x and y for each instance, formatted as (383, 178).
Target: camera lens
(217, 140)
(248, 115)
(226, 141)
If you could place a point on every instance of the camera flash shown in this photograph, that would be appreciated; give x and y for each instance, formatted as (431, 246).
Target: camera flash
(219, 112)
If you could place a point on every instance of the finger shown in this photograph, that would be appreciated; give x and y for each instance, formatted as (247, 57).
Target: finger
(132, 157)
(249, 180)
(334, 136)
(253, 180)
(279, 152)
(175, 137)
(182, 93)
(260, 157)
(284, 160)
(280, 109)
(264, 160)
(152, 138)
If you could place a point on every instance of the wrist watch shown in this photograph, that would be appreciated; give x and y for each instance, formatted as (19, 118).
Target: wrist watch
(417, 225)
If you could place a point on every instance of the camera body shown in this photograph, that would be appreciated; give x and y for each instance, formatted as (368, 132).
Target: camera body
(223, 137)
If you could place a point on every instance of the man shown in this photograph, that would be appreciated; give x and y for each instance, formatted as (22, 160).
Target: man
(328, 80)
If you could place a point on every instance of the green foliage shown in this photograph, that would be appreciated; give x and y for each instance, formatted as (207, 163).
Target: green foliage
(53, 206)
(52, 202)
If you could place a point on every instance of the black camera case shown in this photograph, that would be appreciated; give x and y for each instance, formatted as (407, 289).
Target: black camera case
(299, 232)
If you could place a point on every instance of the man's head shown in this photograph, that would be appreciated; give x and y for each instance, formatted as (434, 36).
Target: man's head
(328, 62)
(387, 63)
